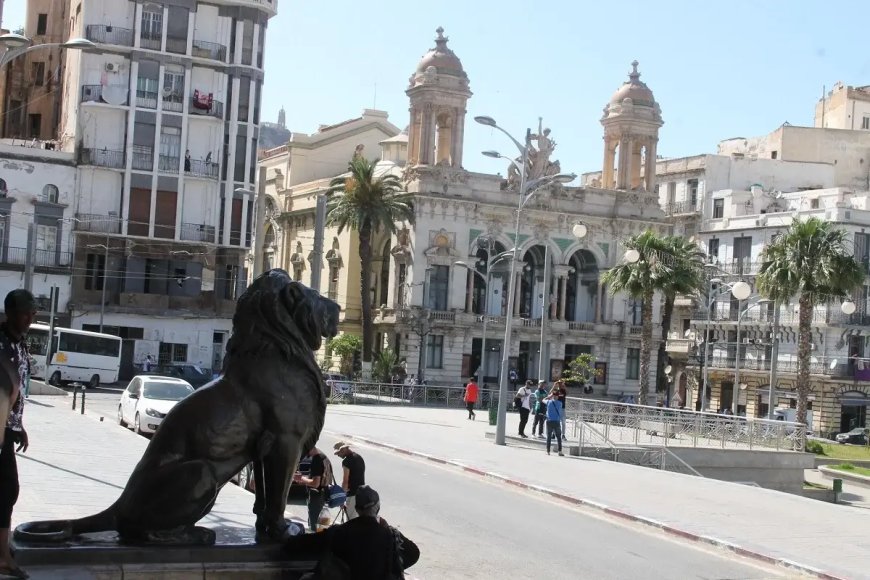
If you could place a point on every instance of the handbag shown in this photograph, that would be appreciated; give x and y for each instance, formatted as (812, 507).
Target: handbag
(335, 495)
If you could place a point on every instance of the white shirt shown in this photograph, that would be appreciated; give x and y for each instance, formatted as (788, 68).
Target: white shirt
(524, 393)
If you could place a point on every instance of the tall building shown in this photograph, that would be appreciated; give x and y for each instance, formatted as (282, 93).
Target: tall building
(30, 106)
(430, 310)
(164, 120)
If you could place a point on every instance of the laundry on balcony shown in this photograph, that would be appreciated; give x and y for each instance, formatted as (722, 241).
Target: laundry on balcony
(202, 100)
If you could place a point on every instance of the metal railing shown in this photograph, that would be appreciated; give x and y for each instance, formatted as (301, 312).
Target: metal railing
(201, 168)
(216, 109)
(372, 393)
(173, 103)
(197, 232)
(740, 267)
(92, 94)
(176, 45)
(39, 258)
(143, 160)
(168, 163)
(680, 207)
(842, 367)
(97, 223)
(151, 40)
(146, 99)
(101, 158)
(639, 425)
(107, 34)
(212, 50)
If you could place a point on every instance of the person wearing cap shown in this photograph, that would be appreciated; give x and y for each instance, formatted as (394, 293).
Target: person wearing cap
(20, 308)
(540, 409)
(524, 406)
(354, 468)
(365, 548)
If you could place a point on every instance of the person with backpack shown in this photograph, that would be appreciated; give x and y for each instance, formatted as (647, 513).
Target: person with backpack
(540, 409)
(524, 407)
(317, 482)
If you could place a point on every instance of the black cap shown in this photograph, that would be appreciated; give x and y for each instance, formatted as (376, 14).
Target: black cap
(366, 497)
(19, 300)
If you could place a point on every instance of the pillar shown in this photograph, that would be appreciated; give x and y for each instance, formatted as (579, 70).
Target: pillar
(607, 166)
(458, 136)
(517, 289)
(427, 135)
(470, 291)
(563, 296)
(414, 137)
(631, 163)
(599, 304)
(623, 169)
(650, 168)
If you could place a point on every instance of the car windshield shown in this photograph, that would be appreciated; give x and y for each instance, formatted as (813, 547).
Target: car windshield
(167, 391)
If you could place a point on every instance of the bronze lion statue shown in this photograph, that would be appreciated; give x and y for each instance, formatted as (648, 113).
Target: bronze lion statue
(268, 407)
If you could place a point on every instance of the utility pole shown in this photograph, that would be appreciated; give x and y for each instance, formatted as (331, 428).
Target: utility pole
(545, 311)
(774, 353)
(105, 283)
(49, 350)
(28, 258)
(319, 233)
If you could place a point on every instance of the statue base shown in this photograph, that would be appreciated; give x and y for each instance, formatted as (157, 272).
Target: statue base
(100, 556)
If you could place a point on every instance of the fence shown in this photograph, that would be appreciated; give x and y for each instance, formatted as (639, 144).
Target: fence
(639, 425)
(369, 393)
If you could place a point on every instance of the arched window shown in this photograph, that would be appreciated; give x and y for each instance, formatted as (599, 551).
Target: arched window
(50, 193)
(3, 187)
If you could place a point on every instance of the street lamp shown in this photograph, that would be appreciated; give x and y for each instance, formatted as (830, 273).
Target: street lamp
(739, 290)
(527, 190)
(17, 45)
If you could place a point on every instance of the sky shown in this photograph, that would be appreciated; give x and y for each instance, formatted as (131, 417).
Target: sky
(718, 69)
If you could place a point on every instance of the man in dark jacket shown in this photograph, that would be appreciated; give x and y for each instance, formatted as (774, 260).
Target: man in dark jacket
(364, 548)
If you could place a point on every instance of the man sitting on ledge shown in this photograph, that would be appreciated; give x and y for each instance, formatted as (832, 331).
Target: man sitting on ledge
(364, 548)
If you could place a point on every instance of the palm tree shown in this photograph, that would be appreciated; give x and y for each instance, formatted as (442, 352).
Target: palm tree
(811, 261)
(368, 203)
(665, 264)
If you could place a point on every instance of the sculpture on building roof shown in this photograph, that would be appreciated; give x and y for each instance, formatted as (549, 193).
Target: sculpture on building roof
(538, 164)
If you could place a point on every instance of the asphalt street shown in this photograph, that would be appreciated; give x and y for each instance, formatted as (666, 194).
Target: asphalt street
(470, 528)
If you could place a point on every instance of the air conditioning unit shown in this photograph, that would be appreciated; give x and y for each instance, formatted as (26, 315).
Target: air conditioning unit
(111, 67)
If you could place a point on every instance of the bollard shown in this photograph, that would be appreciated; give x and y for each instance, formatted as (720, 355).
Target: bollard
(75, 391)
(76, 387)
(838, 489)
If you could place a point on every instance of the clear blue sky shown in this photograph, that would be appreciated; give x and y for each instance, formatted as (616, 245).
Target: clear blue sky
(718, 69)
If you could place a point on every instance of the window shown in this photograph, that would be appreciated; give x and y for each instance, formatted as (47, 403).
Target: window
(692, 185)
(152, 26)
(173, 88)
(41, 24)
(170, 148)
(635, 312)
(434, 351)
(773, 154)
(46, 238)
(3, 186)
(439, 280)
(632, 363)
(718, 208)
(672, 192)
(247, 41)
(865, 123)
(244, 99)
(172, 353)
(814, 203)
(85, 344)
(38, 69)
(50, 193)
(232, 281)
(742, 252)
(35, 123)
(95, 272)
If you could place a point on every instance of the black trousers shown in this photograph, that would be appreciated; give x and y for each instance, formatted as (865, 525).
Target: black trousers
(470, 406)
(554, 429)
(538, 423)
(524, 419)
(316, 501)
(8, 479)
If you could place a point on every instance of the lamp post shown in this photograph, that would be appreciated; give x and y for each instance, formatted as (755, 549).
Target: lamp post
(17, 45)
(740, 313)
(105, 278)
(527, 190)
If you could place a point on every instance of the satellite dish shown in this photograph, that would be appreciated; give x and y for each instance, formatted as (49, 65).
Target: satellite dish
(115, 95)
(834, 364)
(668, 369)
(743, 386)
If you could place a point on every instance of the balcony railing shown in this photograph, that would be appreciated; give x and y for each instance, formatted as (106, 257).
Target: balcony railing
(106, 34)
(680, 207)
(201, 168)
(146, 99)
(857, 369)
(39, 258)
(97, 223)
(197, 232)
(114, 95)
(101, 158)
(215, 109)
(740, 267)
(151, 40)
(176, 45)
(173, 103)
(214, 51)
(168, 163)
(143, 160)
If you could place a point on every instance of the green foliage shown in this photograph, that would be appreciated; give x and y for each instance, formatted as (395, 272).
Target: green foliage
(815, 447)
(581, 370)
(344, 347)
(384, 364)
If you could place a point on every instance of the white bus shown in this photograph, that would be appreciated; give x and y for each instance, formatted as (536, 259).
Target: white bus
(78, 355)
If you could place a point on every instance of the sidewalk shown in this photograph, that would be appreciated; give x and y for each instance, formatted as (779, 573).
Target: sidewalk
(854, 495)
(828, 539)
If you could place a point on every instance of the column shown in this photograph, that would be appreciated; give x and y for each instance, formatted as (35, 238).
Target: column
(414, 137)
(630, 163)
(563, 297)
(470, 291)
(458, 136)
(599, 303)
(427, 135)
(607, 166)
(622, 169)
(651, 164)
(517, 289)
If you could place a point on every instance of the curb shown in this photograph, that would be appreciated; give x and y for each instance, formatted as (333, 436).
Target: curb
(623, 515)
(855, 478)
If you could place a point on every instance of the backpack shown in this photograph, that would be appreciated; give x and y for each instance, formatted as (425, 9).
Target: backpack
(334, 494)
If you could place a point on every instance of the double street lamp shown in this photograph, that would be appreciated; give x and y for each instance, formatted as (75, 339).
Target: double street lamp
(17, 45)
(527, 189)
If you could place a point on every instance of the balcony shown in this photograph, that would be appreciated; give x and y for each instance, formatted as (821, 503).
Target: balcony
(101, 158)
(97, 223)
(143, 160)
(39, 258)
(106, 34)
(173, 103)
(210, 50)
(857, 369)
(151, 40)
(199, 168)
(206, 106)
(111, 94)
(678, 345)
(680, 208)
(176, 45)
(740, 267)
(197, 233)
(146, 99)
(168, 164)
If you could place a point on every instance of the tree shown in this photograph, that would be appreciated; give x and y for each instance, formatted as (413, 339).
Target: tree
(581, 370)
(367, 203)
(344, 346)
(384, 364)
(810, 261)
(654, 271)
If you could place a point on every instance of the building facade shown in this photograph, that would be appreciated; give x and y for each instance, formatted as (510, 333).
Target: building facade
(163, 122)
(430, 309)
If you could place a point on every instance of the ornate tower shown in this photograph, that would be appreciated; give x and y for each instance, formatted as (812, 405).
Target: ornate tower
(282, 118)
(439, 92)
(631, 132)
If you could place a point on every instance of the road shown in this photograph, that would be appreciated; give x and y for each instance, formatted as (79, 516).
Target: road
(470, 528)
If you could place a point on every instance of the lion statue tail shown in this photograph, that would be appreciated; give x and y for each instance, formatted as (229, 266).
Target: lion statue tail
(62, 530)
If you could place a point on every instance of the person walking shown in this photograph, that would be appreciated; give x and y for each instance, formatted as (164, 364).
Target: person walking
(524, 407)
(147, 364)
(540, 409)
(354, 468)
(562, 395)
(555, 412)
(20, 307)
(317, 482)
(471, 395)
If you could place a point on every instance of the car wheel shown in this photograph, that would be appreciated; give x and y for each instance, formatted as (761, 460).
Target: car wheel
(137, 428)
(55, 379)
(121, 417)
(94, 382)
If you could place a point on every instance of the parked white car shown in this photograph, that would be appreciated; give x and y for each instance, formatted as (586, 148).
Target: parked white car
(338, 384)
(147, 400)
